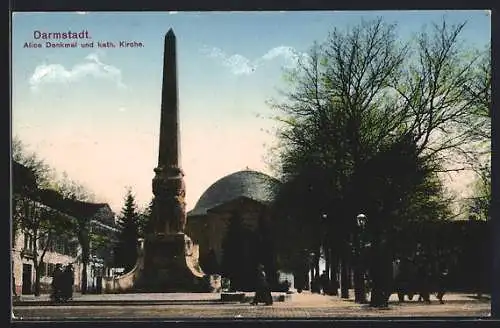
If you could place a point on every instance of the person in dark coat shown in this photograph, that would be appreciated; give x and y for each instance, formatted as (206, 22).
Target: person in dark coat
(69, 280)
(325, 282)
(441, 279)
(56, 282)
(423, 276)
(262, 290)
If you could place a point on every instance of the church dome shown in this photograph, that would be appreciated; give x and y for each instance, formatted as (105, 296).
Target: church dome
(250, 184)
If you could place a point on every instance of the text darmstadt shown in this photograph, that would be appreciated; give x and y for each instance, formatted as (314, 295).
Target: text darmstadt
(84, 34)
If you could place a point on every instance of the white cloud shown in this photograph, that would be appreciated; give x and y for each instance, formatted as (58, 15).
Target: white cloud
(173, 12)
(241, 65)
(82, 12)
(290, 55)
(238, 64)
(92, 66)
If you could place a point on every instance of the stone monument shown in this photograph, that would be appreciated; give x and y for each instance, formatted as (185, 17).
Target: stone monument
(170, 259)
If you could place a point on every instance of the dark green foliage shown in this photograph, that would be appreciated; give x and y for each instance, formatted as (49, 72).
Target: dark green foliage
(239, 255)
(126, 251)
(30, 217)
(366, 127)
(145, 220)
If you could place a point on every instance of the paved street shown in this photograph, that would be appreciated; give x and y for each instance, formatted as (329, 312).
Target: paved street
(303, 305)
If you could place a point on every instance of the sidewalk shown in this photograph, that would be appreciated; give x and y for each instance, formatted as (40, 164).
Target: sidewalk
(303, 299)
(137, 299)
(187, 305)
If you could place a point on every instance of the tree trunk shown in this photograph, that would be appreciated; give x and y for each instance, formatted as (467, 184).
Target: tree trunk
(36, 286)
(316, 263)
(344, 279)
(334, 266)
(328, 263)
(84, 277)
(36, 266)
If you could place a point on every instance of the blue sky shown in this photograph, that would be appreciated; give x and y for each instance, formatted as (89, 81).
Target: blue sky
(94, 113)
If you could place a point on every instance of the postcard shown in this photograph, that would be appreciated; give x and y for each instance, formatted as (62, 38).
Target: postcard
(305, 164)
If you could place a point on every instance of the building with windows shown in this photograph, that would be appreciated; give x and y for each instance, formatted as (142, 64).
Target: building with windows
(29, 200)
(59, 251)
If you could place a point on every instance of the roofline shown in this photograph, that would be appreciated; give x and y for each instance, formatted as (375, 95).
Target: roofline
(214, 208)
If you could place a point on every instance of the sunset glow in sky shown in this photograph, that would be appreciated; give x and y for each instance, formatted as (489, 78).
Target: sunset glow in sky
(95, 112)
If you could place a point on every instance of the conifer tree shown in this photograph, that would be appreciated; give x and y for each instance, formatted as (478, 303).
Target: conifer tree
(126, 253)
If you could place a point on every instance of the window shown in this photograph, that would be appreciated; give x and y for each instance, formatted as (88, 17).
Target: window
(65, 247)
(59, 246)
(28, 243)
(43, 269)
(50, 269)
(73, 248)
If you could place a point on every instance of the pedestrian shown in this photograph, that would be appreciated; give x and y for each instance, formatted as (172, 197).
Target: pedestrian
(335, 285)
(262, 289)
(316, 285)
(423, 276)
(441, 280)
(56, 283)
(324, 283)
(69, 280)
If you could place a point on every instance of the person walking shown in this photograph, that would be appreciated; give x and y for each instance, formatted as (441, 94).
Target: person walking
(325, 283)
(69, 280)
(262, 290)
(56, 283)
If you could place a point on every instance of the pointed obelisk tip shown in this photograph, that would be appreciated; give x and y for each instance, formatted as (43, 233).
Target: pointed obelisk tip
(170, 34)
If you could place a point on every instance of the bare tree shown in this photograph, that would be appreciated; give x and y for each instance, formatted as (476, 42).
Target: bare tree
(364, 90)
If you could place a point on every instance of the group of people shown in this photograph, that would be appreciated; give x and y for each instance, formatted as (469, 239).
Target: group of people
(323, 285)
(63, 279)
(421, 278)
(418, 276)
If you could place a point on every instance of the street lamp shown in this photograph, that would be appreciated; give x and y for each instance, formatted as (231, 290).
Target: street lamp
(359, 277)
(325, 285)
(361, 221)
(310, 274)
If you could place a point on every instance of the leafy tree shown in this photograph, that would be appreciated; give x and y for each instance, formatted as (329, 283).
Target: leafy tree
(144, 219)
(333, 120)
(355, 103)
(39, 224)
(478, 91)
(72, 190)
(239, 254)
(43, 173)
(479, 204)
(129, 233)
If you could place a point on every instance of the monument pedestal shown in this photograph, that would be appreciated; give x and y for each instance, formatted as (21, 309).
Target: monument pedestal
(171, 265)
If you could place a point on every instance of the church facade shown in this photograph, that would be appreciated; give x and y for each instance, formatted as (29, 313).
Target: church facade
(231, 223)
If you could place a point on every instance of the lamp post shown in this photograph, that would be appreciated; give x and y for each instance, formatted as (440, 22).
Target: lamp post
(310, 275)
(359, 276)
(326, 252)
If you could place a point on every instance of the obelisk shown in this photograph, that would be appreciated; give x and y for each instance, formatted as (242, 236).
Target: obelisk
(170, 258)
(169, 129)
(168, 184)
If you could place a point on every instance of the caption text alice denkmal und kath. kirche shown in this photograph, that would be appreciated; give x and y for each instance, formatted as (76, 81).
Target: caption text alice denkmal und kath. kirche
(72, 39)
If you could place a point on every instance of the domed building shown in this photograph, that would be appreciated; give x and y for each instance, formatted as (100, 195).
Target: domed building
(230, 223)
